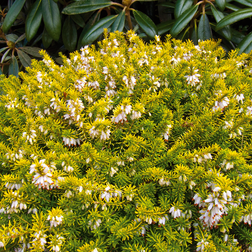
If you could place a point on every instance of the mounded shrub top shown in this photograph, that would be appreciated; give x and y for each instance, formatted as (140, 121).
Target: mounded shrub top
(128, 147)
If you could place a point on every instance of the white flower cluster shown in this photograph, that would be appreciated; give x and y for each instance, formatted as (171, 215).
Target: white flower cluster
(55, 220)
(249, 111)
(121, 118)
(229, 125)
(247, 219)
(227, 165)
(12, 186)
(59, 240)
(214, 207)
(15, 156)
(175, 212)
(202, 245)
(218, 75)
(67, 168)
(104, 134)
(200, 159)
(71, 141)
(40, 238)
(130, 83)
(74, 108)
(55, 104)
(162, 182)
(94, 225)
(31, 137)
(113, 171)
(193, 79)
(16, 204)
(12, 104)
(43, 175)
(220, 104)
(167, 132)
(239, 97)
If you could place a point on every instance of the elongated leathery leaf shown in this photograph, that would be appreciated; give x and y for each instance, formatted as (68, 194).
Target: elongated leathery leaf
(234, 17)
(183, 20)
(95, 31)
(118, 25)
(204, 29)
(84, 6)
(226, 31)
(145, 23)
(13, 67)
(181, 6)
(24, 58)
(33, 20)
(221, 4)
(246, 44)
(245, 2)
(69, 34)
(51, 17)
(12, 14)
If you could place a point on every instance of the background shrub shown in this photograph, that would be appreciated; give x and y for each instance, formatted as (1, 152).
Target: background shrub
(67, 25)
(128, 147)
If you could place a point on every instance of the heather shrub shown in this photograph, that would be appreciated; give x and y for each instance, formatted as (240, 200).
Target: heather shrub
(128, 147)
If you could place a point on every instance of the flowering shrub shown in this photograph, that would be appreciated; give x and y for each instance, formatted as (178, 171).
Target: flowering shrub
(128, 147)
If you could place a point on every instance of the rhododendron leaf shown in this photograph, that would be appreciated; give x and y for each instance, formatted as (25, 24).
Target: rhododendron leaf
(181, 6)
(69, 34)
(118, 25)
(221, 4)
(245, 45)
(204, 29)
(13, 67)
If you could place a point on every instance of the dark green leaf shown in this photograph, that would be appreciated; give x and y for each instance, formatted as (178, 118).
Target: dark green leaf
(226, 31)
(4, 55)
(51, 17)
(232, 7)
(194, 36)
(246, 44)
(165, 27)
(12, 14)
(118, 25)
(13, 67)
(169, 5)
(24, 58)
(85, 6)
(145, 23)
(237, 36)
(204, 29)
(33, 20)
(183, 20)
(245, 2)
(3, 49)
(46, 39)
(78, 20)
(34, 51)
(221, 4)
(95, 31)
(234, 17)
(69, 34)
(12, 37)
(22, 37)
(181, 6)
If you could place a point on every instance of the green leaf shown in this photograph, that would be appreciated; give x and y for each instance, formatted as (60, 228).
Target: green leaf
(234, 17)
(69, 34)
(95, 31)
(33, 20)
(12, 37)
(118, 25)
(169, 5)
(3, 49)
(85, 6)
(244, 2)
(204, 29)
(237, 36)
(232, 7)
(22, 37)
(183, 20)
(12, 14)
(221, 4)
(194, 36)
(226, 31)
(34, 51)
(145, 23)
(4, 55)
(165, 27)
(46, 39)
(51, 17)
(78, 20)
(24, 58)
(181, 6)
(13, 67)
(246, 44)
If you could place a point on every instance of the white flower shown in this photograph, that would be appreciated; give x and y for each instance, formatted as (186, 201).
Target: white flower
(55, 220)
(113, 171)
(193, 79)
(239, 97)
(175, 212)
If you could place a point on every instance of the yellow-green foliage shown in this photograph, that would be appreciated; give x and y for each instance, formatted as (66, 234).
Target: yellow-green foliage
(128, 147)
